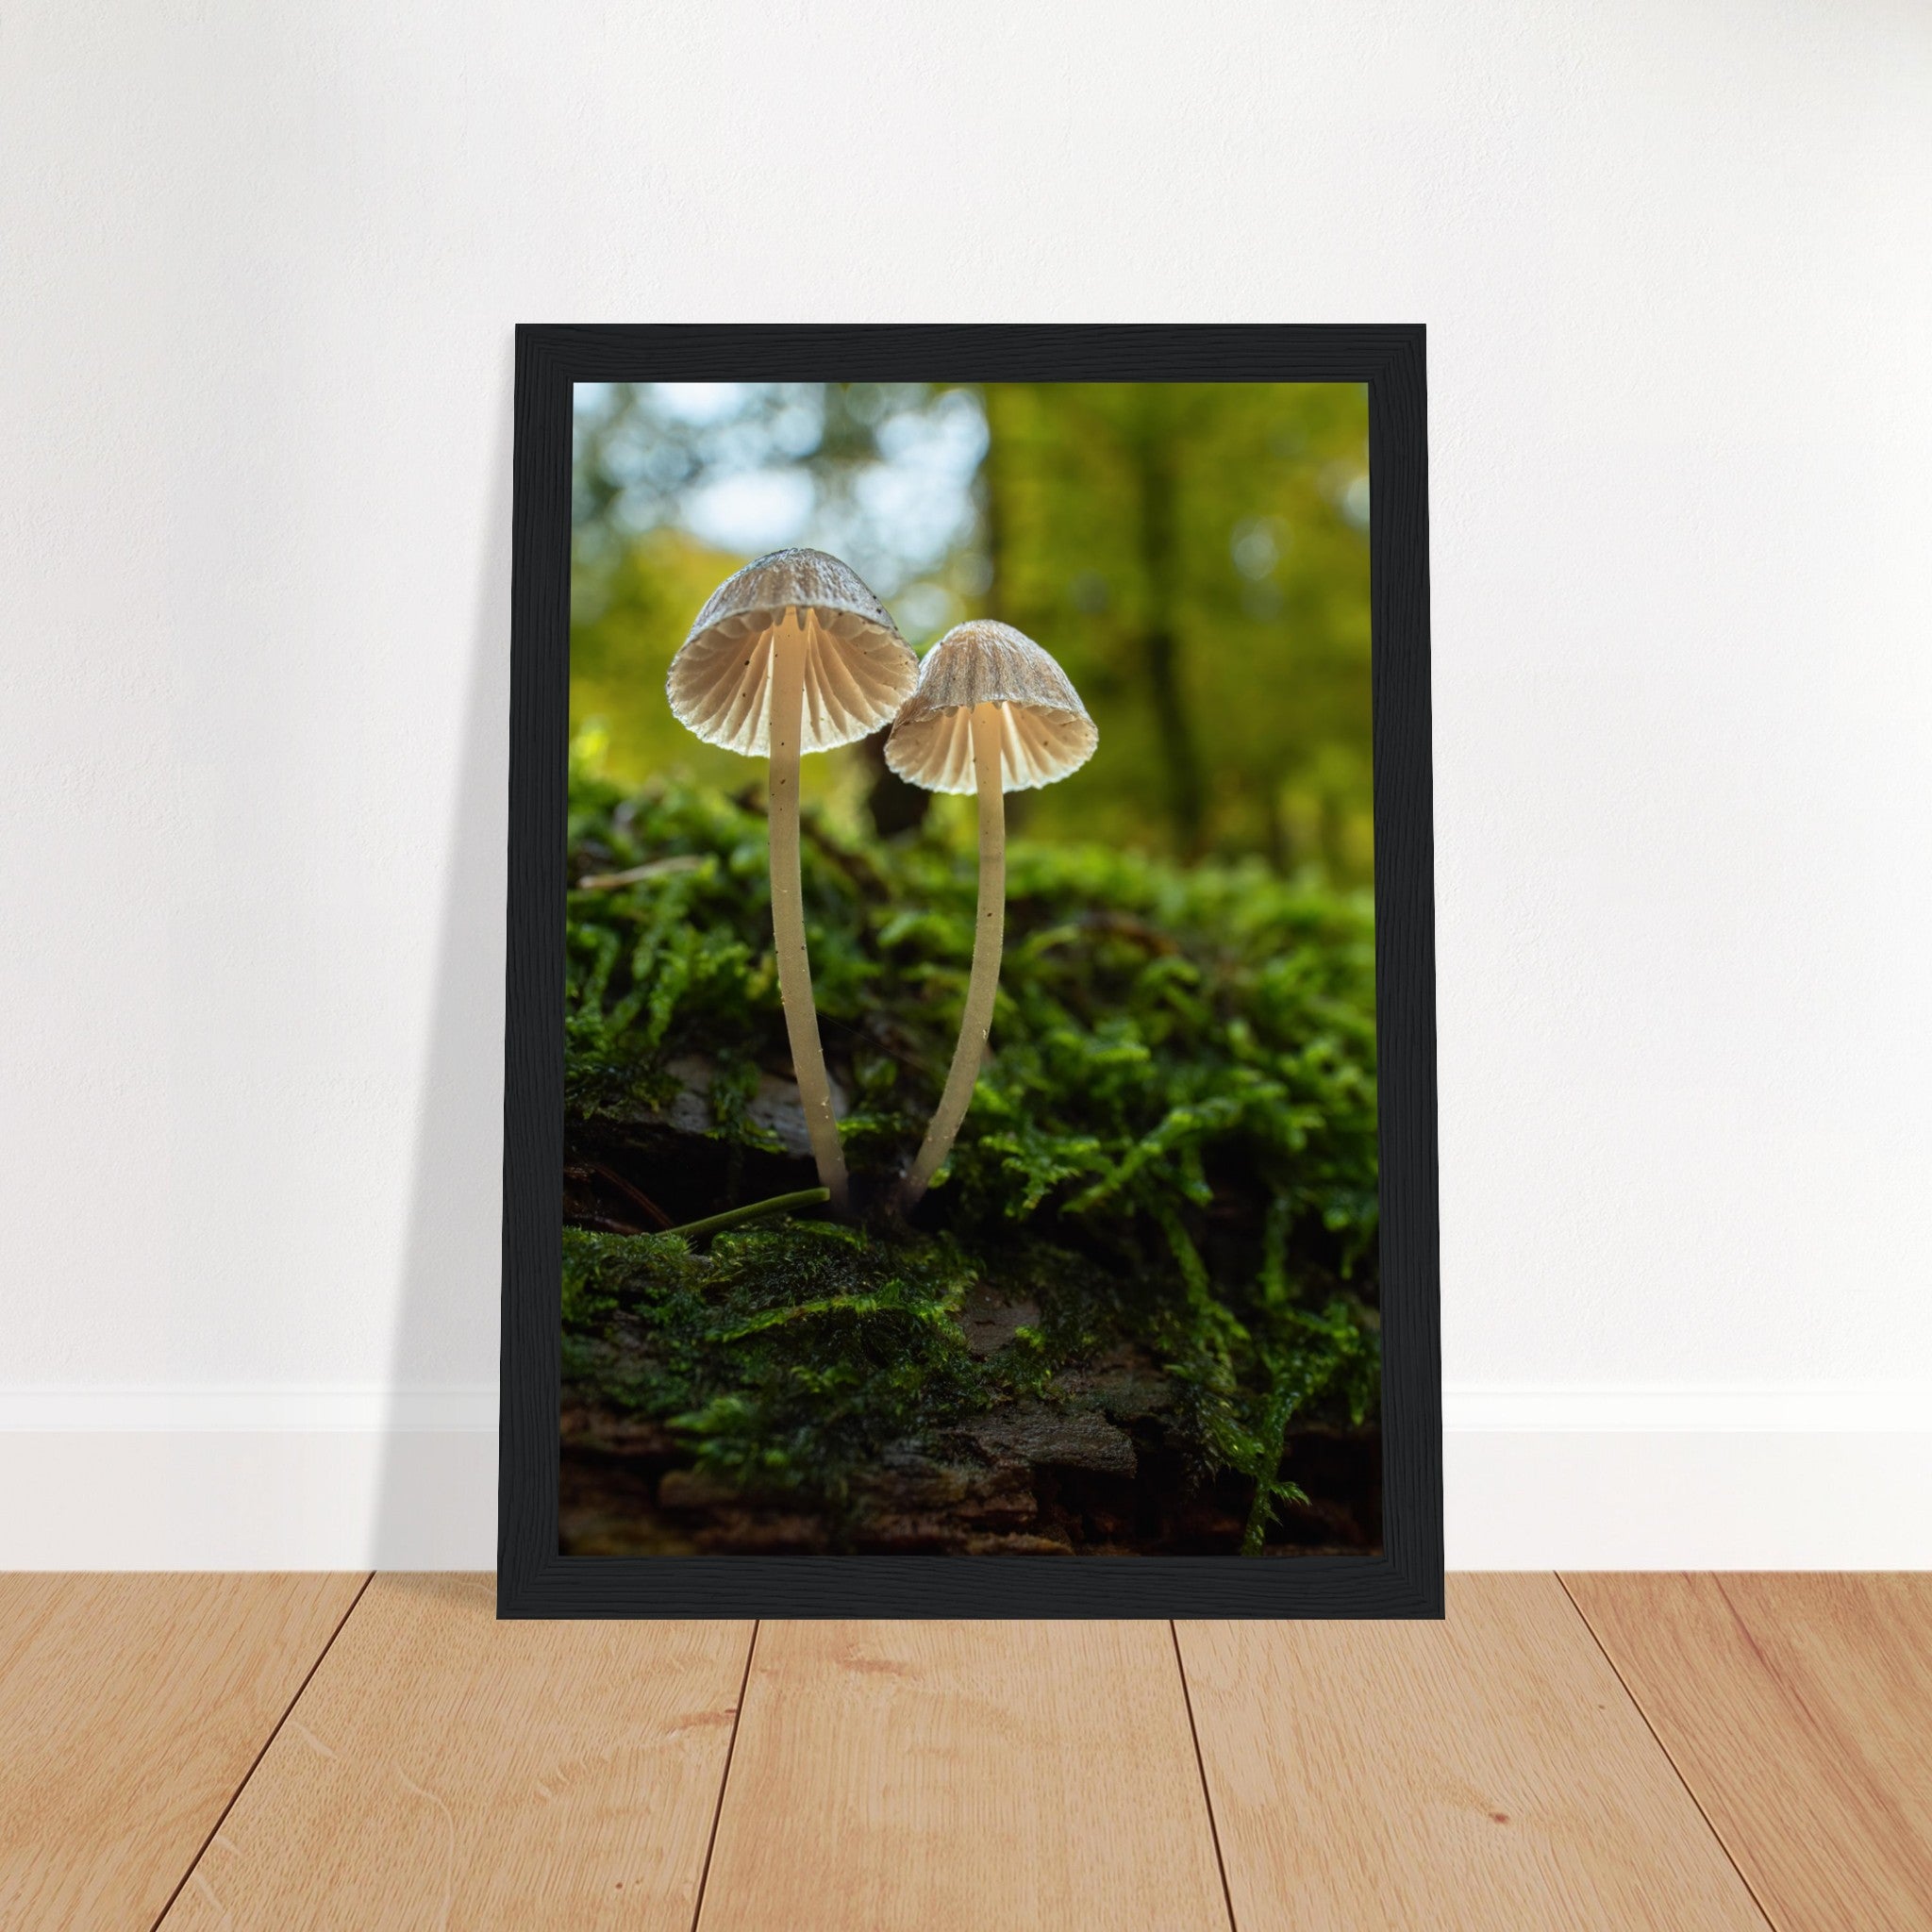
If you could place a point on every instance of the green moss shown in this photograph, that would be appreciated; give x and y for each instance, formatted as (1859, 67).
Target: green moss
(787, 1355)
(1172, 1146)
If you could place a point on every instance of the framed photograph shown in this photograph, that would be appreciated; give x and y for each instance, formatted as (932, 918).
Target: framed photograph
(970, 1120)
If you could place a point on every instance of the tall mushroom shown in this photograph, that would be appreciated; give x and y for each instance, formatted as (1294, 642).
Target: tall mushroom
(793, 653)
(994, 713)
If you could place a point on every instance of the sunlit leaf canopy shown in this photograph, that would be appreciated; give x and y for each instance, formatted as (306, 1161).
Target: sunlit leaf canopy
(1195, 555)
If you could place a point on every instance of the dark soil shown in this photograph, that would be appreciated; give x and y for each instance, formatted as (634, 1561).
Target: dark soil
(1014, 1486)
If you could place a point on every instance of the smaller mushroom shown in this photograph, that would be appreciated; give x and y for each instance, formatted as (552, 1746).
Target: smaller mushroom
(994, 713)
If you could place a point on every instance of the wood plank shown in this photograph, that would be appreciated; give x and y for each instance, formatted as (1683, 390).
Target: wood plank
(1799, 1710)
(131, 1707)
(964, 1777)
(1488, 1773)
(442, 1769)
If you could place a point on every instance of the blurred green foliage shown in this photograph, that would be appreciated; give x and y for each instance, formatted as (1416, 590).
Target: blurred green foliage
(1196, 554)
(1196, 557)
(1172, 1145)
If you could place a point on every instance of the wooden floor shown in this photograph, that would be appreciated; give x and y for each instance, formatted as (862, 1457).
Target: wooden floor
(1616, 1752)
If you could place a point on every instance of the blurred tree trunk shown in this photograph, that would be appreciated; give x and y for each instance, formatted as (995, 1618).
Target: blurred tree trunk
(992, 543)
(892, 804)
(993, 508)
(1153, 456)
(1275, 824)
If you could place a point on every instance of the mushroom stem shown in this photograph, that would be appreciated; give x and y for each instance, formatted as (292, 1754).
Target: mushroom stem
(788, 642)
(988, 934)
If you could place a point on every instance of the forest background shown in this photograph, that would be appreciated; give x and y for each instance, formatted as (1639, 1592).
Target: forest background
(1194, 554)
(1138, 1313)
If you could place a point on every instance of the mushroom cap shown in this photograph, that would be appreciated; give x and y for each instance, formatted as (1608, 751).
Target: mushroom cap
(858, 669)
(1044, 730)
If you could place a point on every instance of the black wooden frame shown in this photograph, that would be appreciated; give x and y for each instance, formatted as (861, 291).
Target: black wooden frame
(533, 1579)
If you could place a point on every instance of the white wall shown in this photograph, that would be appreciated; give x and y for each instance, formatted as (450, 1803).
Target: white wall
(260, 268)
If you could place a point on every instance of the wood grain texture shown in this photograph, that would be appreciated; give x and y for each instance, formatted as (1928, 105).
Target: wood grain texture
(964, 1777)
(131, 1708)
(442, 1769)
(1488, 1773)
(1799, 1710)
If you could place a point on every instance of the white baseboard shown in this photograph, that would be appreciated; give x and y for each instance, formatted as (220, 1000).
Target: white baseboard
(290, 1408)
(1801, 1408)
(1715, 1499)
(1738, 1477)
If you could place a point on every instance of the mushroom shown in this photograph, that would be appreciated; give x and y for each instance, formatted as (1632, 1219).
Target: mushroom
(789, 655)
(994, 713)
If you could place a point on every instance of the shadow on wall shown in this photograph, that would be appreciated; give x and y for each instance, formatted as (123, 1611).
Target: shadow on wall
(435, 1504)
